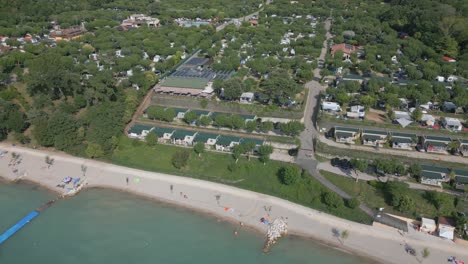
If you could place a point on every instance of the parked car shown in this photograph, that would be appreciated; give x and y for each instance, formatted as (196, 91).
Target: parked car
(335, 162)
(341, 163)
(420, 148)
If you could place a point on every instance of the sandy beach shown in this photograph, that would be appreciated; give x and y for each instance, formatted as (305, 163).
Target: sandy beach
(237, 205)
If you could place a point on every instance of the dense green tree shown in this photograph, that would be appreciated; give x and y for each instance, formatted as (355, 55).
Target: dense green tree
(190, 117)
(11, 118)
(51, 74)
(205, 121)
(332, 199)
(251, 126)
(151, 139)
(417, 114)
(233, 88)
(264, 153)
(360, 164)
(94, 150)
(353, 203)
(289, 175)
(266, 126)
(63, 129)
(237, 122)
(292, 128)
(199, 148)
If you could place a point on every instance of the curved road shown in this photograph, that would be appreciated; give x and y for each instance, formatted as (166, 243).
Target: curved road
(305, 157)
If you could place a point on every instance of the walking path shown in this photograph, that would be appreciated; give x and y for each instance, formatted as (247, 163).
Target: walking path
(228, 202)
(361, 176)
(409, 154)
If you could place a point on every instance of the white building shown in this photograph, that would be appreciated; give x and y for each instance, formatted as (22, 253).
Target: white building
(331, 106)
(247, 98)
(138, 20)
(453, 124)
(356, 111)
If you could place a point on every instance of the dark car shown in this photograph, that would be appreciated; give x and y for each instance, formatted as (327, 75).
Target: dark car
(335, 162)
(346, 164)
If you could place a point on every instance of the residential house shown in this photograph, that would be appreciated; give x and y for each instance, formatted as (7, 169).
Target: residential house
(428, 225)
(183, 137)
(403, 140)
(138, 20)
(164, 134)
(461, 179)
(346, 134)
(139, 131)
(434, 176)
(353, 77)
(448, 59)
(446, 227)
(463, 147)
(247, 98)
(58, 34)
(227, 143)
(449, 107)
(356, 111)
(373, 137)
(436, 144)
(347, 50)
(248, 118)
(453, 124)
(180, 112)
(208, 139)
(201, 113)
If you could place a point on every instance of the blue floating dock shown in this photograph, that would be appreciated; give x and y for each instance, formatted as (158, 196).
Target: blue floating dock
(18, 226)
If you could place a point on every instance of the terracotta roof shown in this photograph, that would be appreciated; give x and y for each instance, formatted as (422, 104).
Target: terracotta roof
(346, 48)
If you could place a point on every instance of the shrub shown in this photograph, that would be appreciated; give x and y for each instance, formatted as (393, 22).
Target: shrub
(180, 159)
(353, 203)
(289, 175)
(332, 199)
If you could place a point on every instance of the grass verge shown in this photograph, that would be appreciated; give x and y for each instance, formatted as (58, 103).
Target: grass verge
(374, 197)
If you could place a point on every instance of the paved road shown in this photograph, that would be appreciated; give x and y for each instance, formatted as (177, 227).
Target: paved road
(244, 18)
(396, 152)
(305, 157)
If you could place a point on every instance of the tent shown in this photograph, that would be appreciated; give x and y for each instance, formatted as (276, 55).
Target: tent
(404, 122)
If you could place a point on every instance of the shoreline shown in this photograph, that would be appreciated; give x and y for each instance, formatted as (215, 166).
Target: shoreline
(219, 218)
(231, 204)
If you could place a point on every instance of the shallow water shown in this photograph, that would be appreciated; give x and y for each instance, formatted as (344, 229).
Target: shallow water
(103, 226)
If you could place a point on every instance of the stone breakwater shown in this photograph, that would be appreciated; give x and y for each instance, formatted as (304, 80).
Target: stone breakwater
(275, 231)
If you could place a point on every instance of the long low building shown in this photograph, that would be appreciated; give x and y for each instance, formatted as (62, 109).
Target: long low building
(189, 137)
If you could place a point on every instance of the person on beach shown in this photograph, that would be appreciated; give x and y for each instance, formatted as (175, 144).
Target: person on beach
(172, 188)
(126, 179)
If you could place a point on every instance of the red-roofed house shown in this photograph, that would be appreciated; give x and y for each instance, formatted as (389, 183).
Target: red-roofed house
(346, 48)
(446, 58)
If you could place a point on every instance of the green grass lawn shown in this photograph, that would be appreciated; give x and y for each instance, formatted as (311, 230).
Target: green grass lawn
(246, 174)
(375, 198)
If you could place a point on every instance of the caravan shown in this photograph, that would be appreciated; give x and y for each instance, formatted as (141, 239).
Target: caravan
(331, 107)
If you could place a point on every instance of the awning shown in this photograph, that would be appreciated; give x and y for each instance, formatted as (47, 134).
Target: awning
(404, 122)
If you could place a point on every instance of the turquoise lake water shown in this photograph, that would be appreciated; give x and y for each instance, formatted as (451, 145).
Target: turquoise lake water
(103, 226)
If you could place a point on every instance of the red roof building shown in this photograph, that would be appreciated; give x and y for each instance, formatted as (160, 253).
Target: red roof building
(446, 58)
(346, 48)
